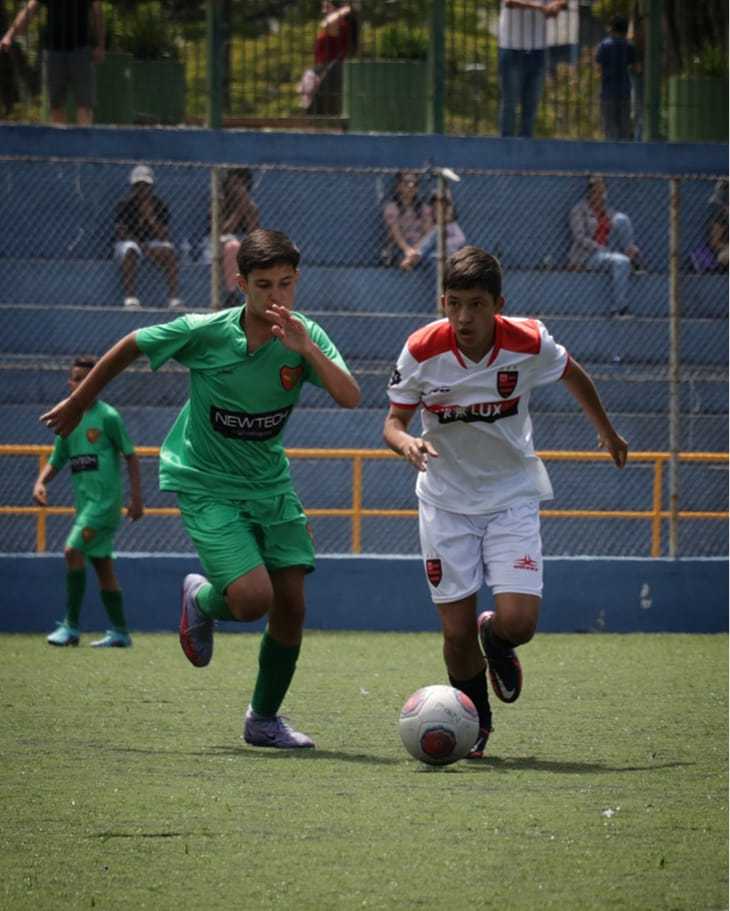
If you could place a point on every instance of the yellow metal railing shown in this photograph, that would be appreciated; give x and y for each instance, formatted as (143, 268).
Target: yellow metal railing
(356, 512)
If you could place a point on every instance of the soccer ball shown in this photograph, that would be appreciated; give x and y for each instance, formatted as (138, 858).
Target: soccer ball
(438, 724)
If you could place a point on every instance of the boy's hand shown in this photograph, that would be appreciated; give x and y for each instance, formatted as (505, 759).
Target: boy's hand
(416, 450)
(63, 418)
(40, 494)
(616, 446)
(288, 329)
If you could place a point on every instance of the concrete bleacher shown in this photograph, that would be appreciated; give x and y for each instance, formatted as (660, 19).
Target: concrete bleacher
(60, 294)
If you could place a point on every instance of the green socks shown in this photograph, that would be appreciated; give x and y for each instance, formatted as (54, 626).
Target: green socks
(212, 603)
(114, 604)
(277, 663)
(75, 589)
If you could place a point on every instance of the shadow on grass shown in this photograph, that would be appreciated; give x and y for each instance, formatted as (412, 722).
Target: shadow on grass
(488, 764)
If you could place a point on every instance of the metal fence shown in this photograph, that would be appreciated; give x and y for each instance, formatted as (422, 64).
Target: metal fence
(661, 366)
(414, 70)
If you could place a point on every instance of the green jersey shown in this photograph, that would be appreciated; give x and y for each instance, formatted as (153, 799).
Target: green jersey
(93, 450)
(227, 440)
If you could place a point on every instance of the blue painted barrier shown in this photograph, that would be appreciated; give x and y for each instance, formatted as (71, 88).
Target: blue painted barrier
(583, 594)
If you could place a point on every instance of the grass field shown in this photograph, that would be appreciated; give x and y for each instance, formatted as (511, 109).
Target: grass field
(125, 784)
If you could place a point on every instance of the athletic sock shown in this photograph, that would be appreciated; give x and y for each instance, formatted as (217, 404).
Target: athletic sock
(75, 589)
(476, 690)
(500, 644)
(277, 663)
(113, 602)
(212, 603)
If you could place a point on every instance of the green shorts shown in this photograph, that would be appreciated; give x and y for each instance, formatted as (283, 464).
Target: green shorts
(95, 541)
(232, 537)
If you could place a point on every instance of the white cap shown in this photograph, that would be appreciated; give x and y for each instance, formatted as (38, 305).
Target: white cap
(141, 174)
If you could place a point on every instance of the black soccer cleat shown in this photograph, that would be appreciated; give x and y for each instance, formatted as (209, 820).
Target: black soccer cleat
(505, 670)
(477, 751)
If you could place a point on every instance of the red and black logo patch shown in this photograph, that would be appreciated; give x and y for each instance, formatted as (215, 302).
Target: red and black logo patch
(507, 382)
(93, 434)
(290, 376)
(88, 534)
(434, 572)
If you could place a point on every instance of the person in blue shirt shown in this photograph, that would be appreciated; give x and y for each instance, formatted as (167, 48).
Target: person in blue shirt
(617, 59)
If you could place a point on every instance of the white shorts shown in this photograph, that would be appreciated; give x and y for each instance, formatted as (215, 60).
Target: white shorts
(502, 550)
(122, 246)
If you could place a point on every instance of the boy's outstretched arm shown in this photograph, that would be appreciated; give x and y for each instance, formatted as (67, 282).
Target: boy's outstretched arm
(583, 390)
(65, 416)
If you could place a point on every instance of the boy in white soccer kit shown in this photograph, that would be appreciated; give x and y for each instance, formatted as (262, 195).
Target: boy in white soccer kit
(480, 481)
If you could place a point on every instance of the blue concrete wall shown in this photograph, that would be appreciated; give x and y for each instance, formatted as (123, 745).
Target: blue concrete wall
(351, 593)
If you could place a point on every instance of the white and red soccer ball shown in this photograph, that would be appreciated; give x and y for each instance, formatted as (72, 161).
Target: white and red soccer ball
(438, 724)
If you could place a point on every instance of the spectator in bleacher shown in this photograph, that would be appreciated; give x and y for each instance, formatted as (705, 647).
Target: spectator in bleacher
(408, 220)
(718, 224)
(454, 236)
(68, 55)
(337, 40)
(93, 451)
(225, 459)
(603, 239)
(468, 379)
(143, 229)
(522, 43)
(238, 215)
(617, 61)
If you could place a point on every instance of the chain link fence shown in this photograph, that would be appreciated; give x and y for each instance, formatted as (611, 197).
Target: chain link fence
(417, 66)
(660, 366)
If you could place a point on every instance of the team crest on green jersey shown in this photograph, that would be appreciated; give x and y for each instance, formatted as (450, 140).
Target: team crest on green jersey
(290, 376)
(93, 434)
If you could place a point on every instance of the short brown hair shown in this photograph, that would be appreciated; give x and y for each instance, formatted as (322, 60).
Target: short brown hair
(471, 267)
(264, 248)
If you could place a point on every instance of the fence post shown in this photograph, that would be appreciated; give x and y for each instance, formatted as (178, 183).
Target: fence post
(214, 69)
(673, 364)
(437, 28)
(652, 64)
(215, 238)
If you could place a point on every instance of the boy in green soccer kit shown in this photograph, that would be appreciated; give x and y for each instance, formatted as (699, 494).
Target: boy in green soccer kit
(92, 450)
(225, 459)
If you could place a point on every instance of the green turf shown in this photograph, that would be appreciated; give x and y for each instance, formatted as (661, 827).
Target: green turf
(125, 784)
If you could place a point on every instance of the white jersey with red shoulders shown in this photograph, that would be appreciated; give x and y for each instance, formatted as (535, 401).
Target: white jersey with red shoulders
(476, 414)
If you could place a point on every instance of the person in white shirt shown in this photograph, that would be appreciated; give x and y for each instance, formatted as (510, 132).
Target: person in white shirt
(480, 481)
(522, 42)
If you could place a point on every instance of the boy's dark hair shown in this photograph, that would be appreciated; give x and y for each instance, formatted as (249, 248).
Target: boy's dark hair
(264, 248)
(471, 267)
(86, 361)
(619, 25)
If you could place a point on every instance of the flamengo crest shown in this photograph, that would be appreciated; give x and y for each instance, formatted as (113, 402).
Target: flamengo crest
(507, 382)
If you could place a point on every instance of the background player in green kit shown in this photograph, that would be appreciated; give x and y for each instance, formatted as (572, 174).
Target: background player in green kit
(225, 458)
(93, 452)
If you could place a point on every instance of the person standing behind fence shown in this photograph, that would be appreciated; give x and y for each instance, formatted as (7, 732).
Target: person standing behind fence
(408, 220)
(604, 239)
(238, 216)
(617, 60)
(143, 229)
(337, 39)
(68, 57)
(522, 43)
(93, 452)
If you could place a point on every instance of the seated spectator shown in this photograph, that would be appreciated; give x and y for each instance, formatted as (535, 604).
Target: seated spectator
(143, 229)
(238, 216)
(717, 224)
(604, 239)
(408, 220)
(454, 236)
